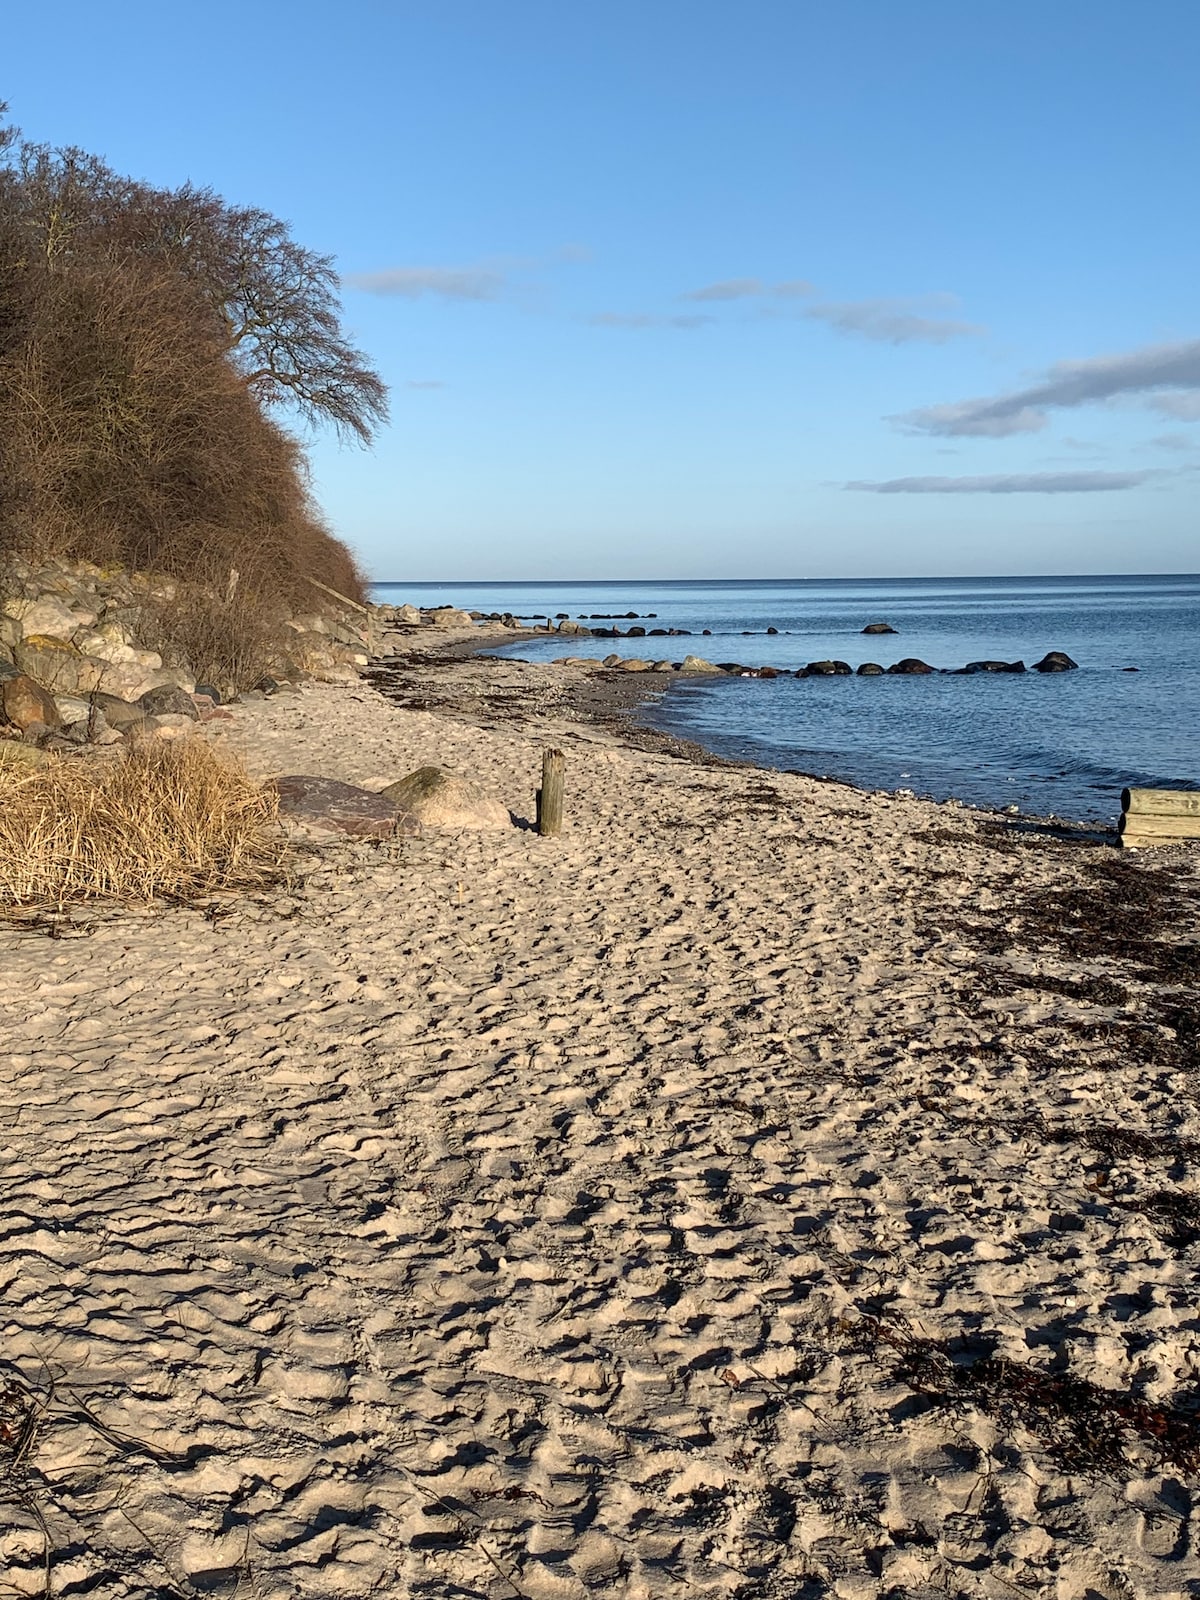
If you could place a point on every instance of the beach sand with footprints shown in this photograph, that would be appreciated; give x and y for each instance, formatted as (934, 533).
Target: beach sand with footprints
(761, 1189)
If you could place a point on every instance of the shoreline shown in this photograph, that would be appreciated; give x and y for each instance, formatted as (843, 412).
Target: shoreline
(718, 1199)
(610, 699)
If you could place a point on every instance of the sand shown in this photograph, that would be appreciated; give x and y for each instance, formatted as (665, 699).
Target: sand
(490, 1215)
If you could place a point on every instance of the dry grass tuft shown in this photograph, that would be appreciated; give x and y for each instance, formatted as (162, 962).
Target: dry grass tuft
(165, 821)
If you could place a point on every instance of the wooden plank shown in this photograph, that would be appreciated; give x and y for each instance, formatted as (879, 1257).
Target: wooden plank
(1160, 827)
(344, 598)
(550, 795)
(1162, 802)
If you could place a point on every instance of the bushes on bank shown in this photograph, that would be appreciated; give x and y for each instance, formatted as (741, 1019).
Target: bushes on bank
(146, 338)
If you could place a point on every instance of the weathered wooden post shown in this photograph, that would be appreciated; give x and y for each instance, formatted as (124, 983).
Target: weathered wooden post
(550, 795)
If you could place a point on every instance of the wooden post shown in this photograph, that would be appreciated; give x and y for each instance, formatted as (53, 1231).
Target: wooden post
(550, 795)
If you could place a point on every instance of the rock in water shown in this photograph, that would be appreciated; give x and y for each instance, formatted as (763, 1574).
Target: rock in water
(336, 807)
(870, 669)
(25, 702)
(1055, 661)
(993, 666)
(825, 669)
(441, 799)
(911, 667)
(879, 627)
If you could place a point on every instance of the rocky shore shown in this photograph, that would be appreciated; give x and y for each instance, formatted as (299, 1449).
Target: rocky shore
(762, 1189)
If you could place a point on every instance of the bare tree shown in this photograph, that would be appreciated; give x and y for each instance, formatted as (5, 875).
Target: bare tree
(276, 300)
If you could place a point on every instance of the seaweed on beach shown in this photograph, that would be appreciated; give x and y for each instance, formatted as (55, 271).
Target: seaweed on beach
(1085, 1427)
(1099, 991)
(1116, 910)
(1114, 1143)
(1172, 1213)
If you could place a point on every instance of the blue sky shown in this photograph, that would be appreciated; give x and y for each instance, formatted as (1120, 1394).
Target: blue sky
(681, 288)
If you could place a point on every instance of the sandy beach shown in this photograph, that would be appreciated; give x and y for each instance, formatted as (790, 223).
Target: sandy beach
(764, 1189)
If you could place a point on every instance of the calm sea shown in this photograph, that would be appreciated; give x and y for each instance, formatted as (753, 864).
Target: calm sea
(1057, 744)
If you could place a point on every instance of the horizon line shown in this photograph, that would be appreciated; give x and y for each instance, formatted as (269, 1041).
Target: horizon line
(915, 577)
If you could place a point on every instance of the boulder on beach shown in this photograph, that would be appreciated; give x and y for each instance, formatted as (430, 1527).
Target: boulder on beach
(448, 617)
(441, 799)
(910, 667)
(25, 703)
(334, 807)
(879, 627)
(697, 664)
(118, 713)
(870, 669)
(50, 618)
(1055, 661)
(826, 669)
(169, 700)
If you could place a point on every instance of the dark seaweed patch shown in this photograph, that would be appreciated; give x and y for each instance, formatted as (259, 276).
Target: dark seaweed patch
(1085, 1427)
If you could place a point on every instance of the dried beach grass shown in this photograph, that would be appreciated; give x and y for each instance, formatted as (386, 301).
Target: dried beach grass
(168, 821)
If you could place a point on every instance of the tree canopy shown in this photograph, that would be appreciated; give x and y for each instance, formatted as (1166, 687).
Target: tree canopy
(146, 337)
(277, 301)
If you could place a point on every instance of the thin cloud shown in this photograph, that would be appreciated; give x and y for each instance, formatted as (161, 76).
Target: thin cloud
(750, 289)
(1182, 406)
(728, 289)
(890, 321)
(1010, 483)
(630, 319)
(443, 283)
(1174, 368)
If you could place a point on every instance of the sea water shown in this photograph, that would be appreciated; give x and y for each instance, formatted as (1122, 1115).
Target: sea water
(1052, 744)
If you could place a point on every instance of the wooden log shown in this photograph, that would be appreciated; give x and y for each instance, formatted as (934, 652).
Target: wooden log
(1162, 802)
(1163, 827)
(344, 598)
(1148, 841)
(550, 795)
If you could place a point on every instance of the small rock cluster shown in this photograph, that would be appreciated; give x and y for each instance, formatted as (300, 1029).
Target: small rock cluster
(910, 667)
